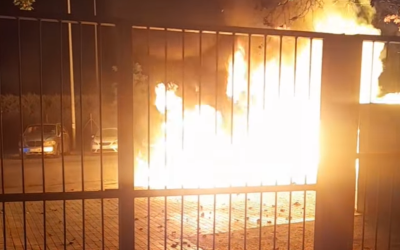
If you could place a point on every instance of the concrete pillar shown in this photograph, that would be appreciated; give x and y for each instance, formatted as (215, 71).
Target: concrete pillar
(341, 71)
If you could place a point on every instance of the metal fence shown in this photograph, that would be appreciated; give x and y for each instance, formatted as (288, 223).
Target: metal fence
(377, 198)
(218, 135)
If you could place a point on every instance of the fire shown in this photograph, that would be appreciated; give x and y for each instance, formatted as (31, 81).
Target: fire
(273, 138)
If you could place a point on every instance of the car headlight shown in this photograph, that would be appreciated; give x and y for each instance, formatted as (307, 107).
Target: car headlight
(49, 143)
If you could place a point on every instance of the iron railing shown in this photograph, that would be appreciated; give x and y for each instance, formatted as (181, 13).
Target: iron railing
(56, 203)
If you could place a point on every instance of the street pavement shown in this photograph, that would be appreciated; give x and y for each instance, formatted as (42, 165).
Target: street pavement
(160, 223)
(76, 168)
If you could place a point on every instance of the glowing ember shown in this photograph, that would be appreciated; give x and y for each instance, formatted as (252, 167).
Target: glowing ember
(274, 136)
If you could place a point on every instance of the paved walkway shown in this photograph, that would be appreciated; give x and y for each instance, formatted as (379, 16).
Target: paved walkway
(150, 217)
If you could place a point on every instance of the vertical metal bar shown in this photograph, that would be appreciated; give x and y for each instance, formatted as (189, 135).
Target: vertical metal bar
(214, 220)
(2, 155)
(372, 70)
(148, 139)
(233, 87)
(166, 106)
(42, 129)
(81, 104)
(378, 191)
(183, 90)
(4, 226)
(82, 124)
(198, 223)
(21, 125)
(275, 216)
(310, 70)
(264, 73)
(99, 76)
(261, 221)
(62, 128)
(245, 221)
(304, 218)
(216, 81)
(295, 66)
(364, 207)
(392, 184)
(200, 67)
(280, 65)
(290, 217)
(182, 213)
(247, 132)
(148, 114)
(291, 177)
(148, 224)
(248, 86)
(166, 133)
(305, 177)
(183, 127)
(216, 125)
(165, 221)
(230, 222)
(279, 94)
(232, 118)
(200, 92)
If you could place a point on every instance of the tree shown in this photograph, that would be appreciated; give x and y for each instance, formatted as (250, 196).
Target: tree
(280, 13)
(24, 4)
(392, 19)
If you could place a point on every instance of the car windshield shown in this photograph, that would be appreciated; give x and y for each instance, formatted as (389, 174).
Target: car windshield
(108, 133)
(38, 128)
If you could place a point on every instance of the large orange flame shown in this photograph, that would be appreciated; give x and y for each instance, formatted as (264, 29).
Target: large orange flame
(274, 137)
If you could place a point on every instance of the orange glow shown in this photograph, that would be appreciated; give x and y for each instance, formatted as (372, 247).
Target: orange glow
(273, 140)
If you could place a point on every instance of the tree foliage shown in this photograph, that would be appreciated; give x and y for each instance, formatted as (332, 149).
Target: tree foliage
(24, 4)
(279, 13)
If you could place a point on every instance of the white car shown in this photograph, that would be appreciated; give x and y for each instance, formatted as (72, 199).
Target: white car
(109, 140)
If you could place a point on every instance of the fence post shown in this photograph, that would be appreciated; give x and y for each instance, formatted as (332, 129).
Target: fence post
(340, 90)
(125, 136)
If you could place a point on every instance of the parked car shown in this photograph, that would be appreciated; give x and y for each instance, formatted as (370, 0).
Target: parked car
(108, 142)
(51, 143)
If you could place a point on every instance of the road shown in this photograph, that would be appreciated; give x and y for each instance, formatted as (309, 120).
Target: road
(76, 169)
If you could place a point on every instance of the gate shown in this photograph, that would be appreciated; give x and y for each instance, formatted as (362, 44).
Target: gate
(210, 148)
(377, 199)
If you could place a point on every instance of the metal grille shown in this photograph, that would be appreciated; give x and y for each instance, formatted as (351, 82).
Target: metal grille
(213, 81)
(377, 201)
(194, 93)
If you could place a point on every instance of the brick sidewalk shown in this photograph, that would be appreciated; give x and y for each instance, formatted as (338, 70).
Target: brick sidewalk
(148, 223)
